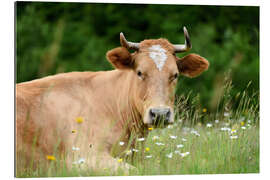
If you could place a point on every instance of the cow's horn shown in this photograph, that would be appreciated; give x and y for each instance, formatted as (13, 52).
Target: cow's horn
(127, 44)
(183, 47)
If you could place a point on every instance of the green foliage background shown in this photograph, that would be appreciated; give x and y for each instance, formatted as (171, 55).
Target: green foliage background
(62, 37)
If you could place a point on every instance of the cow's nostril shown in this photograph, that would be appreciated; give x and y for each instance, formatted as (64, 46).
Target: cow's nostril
(152, 114)
(168, 114)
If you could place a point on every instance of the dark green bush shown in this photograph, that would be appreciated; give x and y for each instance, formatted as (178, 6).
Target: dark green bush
(62, 37)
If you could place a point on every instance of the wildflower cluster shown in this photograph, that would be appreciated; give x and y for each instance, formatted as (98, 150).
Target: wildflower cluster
(172, 143)
(79, 160)
(194, 132)
(235, 127)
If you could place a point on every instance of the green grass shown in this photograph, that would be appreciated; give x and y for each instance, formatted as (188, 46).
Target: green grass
(211, 150)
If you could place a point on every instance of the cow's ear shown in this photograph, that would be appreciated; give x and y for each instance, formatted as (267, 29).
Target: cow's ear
(192, 65)
(120, 58)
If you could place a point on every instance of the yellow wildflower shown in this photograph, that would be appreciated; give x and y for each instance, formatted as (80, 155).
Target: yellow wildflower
(204, 110)
(73, 131)
(50, 157)
(79, 120)
(242, 123)
(150, 128)
(120, 160)
(233, 131)
(147, 149)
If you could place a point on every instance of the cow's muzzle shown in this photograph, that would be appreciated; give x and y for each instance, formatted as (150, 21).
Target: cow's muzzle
(160, 116)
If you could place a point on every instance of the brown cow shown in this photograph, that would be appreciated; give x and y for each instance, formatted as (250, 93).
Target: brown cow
(80, 117)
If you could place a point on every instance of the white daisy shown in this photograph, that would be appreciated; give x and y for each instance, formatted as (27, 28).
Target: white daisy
(209, 125)
(184, 154)
(173, 137)
(225, 129)
(140, 139)
(134, 150)
(169, 155)
(216, 121)
(148, 157)
(159, 144)
(195, 132)
(75, 148)
(233, 137)
(184, 139)
(179, 145)
(170, 127)
(121, 143)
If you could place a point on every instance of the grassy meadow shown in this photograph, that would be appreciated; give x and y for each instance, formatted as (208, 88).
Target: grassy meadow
(199, 142)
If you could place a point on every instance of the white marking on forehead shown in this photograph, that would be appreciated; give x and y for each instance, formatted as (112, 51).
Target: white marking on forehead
(158, 55)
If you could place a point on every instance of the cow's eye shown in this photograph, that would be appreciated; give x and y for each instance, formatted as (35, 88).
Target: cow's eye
(175, 76)
(139, 73)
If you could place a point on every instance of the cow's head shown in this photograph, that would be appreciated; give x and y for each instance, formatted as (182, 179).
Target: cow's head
(155, 68)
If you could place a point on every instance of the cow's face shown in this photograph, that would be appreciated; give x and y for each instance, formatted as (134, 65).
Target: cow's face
(155, 69)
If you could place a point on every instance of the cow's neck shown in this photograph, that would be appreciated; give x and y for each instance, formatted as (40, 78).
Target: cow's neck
(114, 91)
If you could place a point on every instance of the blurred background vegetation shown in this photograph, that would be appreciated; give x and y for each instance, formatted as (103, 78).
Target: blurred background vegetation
(62, 37)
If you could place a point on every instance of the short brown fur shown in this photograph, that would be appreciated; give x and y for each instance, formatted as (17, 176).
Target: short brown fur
(192, 65)
(120, 58)
(144, 45)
